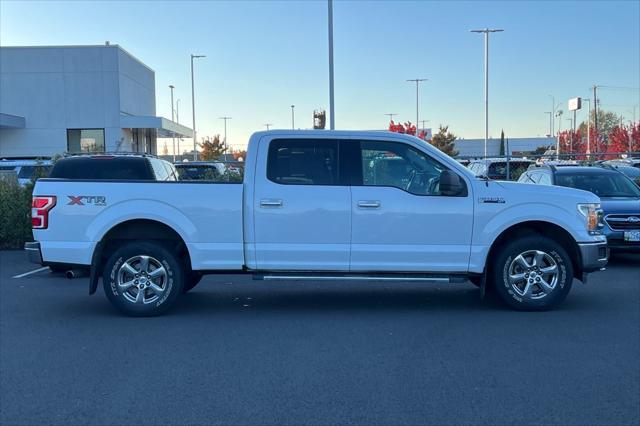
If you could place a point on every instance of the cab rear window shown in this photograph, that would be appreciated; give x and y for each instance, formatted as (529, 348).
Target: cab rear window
(104, 168)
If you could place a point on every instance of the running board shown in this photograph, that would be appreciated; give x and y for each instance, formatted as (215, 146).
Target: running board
(315, 276)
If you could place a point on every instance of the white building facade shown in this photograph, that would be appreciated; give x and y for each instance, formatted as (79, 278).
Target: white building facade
(58, 99)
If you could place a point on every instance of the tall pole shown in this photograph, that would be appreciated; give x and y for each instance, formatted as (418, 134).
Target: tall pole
(391, 114)
(225, 131)
(550, 123)
(267, 125)
(332, 111)
(193, 108)
(293, 118)
(173, 139)
(417, 81)
(486, 32)
(553, 115)
(595, 114)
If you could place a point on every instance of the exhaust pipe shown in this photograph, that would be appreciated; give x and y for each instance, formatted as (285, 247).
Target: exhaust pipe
(76, 273)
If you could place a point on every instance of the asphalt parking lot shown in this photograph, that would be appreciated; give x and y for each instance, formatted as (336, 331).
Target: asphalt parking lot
(237, 351)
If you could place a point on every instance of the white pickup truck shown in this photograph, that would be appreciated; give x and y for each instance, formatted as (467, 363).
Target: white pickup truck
(322, 205)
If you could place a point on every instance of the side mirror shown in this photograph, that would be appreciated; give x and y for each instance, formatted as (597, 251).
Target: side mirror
(451, 184)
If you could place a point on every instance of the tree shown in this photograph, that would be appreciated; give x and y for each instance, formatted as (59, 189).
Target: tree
(212, 149)
(240, 155)
(502, 143)
(607, 121)
(444, 141)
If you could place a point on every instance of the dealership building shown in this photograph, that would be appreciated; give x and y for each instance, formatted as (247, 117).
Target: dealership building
(57, 99)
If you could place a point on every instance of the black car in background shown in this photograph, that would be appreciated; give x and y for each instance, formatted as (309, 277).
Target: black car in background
(114, 167)
(496, 168)
(619, 197)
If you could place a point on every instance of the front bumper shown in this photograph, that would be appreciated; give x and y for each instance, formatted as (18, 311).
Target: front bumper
(33, 252)
(594, 256)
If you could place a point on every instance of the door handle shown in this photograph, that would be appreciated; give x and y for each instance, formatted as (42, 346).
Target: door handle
(270, 203)
(369, 204)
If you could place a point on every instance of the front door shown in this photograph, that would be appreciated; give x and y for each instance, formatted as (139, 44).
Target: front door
(400, 221)
(302, 206)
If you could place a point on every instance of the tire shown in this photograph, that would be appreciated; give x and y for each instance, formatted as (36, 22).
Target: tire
(137, 290)
(532, 274)
(58, 269)
(193, 278)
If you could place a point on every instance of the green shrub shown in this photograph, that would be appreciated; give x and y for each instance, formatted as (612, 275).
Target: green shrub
(15, 214)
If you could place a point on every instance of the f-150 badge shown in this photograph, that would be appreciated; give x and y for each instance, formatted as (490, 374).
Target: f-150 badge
(82, 200)
(491, 200)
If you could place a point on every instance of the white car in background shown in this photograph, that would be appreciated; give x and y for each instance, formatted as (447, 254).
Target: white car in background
(26, 169)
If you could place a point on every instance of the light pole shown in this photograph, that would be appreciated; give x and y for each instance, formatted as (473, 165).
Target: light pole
(173, 139)
(571, 138)
(178, 111)
(486, 32)
(332, 111)
(423, 124)
(417, 81)
(293, 118)
(559, 115)
(267, 125)
(550, 124)
(193, 107)
(391, 114)
(588, 127)
(225, 118)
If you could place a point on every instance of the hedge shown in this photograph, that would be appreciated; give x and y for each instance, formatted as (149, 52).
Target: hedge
(15, 214)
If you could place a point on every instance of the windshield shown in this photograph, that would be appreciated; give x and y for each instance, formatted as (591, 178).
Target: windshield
(603, 185)
(197, 173)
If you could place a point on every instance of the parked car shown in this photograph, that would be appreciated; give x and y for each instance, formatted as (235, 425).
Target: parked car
(496, 168)
(632, 173)
(629, 162)
(117, 166)
(26, 170)
(201, 170)
(620, 198)
(312, 205)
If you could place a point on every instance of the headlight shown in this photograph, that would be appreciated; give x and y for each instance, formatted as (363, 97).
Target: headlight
(593, 215)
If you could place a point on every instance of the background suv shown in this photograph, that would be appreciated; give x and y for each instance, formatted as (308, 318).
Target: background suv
(619, 196)
(114, 167)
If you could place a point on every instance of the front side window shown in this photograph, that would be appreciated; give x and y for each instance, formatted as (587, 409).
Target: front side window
(85, 140)
(303, 162)
(400, 166)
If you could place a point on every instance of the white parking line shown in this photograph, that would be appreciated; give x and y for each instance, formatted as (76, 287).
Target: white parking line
(35, 271)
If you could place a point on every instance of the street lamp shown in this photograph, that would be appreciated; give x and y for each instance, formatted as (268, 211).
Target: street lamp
(550, 124)
(588, 126)
(193, 107)
(332, 111)
(417, 81)
(173, 138)
(559, 115)
(225, 130)
(486, 32)
(293, 118)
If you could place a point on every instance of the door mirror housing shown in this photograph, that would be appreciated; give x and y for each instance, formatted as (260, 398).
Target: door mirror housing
(451, 184)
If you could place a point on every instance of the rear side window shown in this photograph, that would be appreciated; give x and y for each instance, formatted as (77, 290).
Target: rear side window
(303, 162)
(158, 169)
(105, 168)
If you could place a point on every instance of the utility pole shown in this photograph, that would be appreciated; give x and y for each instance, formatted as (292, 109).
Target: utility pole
(267, 125)
(193, 108)
(293, 117)
(423, 125)
(391, 114)
(225, 131)
(332, 111)
(486, 32)
(173, 139)
(550, 123)
(417, 81)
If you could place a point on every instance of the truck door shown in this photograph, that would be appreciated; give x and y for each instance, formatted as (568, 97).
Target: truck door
(400, 221)
(301, 205)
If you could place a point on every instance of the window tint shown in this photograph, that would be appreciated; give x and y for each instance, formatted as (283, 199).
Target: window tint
(601, 184)
(545, 179)
(171, 170)
(102, 168)
(198, 172)
(401, 166)
(303, 162)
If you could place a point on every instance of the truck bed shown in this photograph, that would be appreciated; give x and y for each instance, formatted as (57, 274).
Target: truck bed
(208, 217)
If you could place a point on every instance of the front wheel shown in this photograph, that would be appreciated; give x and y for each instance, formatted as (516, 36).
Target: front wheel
(532, 273)
(143, 279)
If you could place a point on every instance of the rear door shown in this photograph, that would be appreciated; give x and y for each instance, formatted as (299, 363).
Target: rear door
(301, 205)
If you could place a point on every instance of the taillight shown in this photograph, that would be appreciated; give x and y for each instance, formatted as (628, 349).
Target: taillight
(40, 206)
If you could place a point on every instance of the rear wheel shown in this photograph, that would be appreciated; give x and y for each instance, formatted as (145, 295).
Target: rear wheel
(532, 273)
(143, 279)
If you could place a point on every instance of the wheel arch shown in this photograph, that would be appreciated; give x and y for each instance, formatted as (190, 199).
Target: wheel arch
(539, 227)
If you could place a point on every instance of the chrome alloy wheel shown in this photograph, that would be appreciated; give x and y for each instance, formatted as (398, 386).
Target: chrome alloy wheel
(533, 274)
(142, 279)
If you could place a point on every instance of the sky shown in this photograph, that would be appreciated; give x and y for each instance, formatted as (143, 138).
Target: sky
(264, 56)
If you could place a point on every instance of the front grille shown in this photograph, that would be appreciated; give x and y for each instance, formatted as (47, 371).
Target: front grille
(623, 222)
